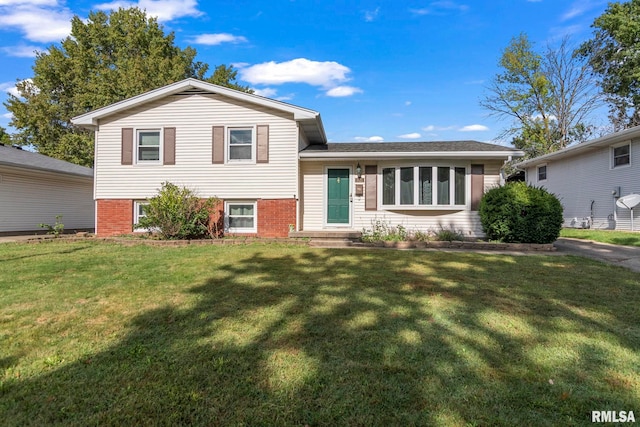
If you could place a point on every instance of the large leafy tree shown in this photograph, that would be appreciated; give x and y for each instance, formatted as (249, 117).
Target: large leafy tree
(108, 58)
(614, 54)
(547, 97)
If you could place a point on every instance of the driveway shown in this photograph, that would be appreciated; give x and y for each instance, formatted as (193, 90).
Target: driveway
(625, 256)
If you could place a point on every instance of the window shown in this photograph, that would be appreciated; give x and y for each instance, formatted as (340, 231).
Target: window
(426, 189)
(389, 186)
(417, 186)
(241, 144)
(542, 173)
(148, 146)
(406, 186)
(139, 213)
(241, 217)
(621, 155)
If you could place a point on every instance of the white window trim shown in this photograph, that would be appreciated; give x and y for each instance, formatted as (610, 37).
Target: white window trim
(228, 229)
(546, 172)
(612, 159)
(160, 146)
(227, 144)
(434, 180)
(136, 215)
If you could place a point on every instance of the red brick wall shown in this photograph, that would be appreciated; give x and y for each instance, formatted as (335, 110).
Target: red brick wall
(115, 217)
(274, 217)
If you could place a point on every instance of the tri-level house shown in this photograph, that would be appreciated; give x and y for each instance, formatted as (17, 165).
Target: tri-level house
(272, 166)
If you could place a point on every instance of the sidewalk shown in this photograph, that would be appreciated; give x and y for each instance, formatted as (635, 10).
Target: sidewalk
(624, 256)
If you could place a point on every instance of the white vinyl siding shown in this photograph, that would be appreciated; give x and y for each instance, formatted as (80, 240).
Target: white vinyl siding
(29, 198)
(584, 185)
(313, 203)
(193, 117)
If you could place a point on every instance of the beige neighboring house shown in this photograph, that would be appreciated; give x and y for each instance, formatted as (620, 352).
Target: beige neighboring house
(273, 167)
(589, 178)
(35, 188)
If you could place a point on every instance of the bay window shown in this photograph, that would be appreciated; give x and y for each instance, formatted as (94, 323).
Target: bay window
(424, 186)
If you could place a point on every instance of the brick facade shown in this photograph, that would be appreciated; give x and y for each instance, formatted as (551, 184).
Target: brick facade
(114, 217)
(274, 217)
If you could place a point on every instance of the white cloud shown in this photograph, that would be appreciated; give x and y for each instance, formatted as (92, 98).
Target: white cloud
(432, 128)
(8, 116)
(164, 10)
(440, 8)
(473, 128)
(267, 92)
(369, 138)
(340, 91)
(21, 51)
(10, 87)
(301, 70)
(407, 103)
(38, 24)
(474, 82)
(28, 2)
(216, 39)
(371, 15)
(414, 135)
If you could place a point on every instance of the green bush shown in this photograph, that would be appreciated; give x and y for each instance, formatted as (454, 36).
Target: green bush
(178, 213)
(517, 212)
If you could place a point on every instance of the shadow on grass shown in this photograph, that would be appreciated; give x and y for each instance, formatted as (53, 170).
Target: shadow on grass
(70, 250)
(358, 338)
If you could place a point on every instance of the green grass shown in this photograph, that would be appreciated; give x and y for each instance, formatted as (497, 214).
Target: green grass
(604, 236)
(101, 334)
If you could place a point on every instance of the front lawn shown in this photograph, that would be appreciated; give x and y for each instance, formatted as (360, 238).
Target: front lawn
(625, 238)
(101, 334)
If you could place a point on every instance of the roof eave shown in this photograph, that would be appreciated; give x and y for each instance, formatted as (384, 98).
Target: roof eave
(604, 141)
(41, 169)
(500, 155)
(91, 119)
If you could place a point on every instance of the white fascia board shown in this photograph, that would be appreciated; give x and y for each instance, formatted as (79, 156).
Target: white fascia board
(316, 156)
(604, 141)
(91, 119)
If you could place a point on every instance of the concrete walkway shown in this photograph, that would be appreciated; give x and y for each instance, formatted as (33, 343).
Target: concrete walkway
(624, 256)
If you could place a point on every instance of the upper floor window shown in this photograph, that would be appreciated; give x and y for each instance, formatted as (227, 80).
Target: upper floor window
(542, 173)
(424, 185)
(241, 144)
(148, 145)
(621, 155)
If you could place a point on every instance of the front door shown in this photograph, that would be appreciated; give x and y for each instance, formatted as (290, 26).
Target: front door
(338, 196)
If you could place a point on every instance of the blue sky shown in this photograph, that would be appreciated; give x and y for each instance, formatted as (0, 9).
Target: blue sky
(375, 70)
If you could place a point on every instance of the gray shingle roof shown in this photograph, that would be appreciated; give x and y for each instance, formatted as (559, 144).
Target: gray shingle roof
(16, 157)
(406, 147)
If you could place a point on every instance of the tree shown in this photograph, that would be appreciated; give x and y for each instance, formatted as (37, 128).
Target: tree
(106, 59)
(614, 55)
(5, 138)
(548, 97)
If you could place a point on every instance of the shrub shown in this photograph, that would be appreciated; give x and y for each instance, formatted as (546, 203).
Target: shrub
(56, 229)
(446, 235)
(178, 213)
(517, 212)
(382, 231)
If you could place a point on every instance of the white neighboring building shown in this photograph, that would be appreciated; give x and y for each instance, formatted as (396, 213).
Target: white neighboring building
(35, 188)
(588, 178)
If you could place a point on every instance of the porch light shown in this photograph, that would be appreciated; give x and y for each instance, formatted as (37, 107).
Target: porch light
(358, 170)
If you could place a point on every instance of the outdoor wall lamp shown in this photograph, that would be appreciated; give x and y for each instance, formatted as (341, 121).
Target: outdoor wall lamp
(358, 170)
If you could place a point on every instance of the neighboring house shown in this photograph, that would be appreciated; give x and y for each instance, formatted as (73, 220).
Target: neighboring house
(35, 188)
(271, 165)
(588, 178)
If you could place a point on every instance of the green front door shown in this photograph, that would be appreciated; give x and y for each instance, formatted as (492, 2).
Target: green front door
(338, 196)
